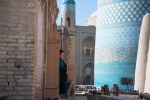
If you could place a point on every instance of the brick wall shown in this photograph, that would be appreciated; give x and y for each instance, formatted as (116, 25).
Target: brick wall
(17, 45)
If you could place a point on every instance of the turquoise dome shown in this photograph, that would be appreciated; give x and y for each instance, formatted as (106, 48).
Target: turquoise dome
(68, 2)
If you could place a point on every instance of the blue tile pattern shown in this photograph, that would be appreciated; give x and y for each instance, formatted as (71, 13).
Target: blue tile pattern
(68, 2)
(86, 61)
(68, 5)
(85, 35)
(79, 35)
(117, 34)
(122, 11)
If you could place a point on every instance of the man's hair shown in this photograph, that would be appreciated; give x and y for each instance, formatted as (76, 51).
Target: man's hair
(61, 51)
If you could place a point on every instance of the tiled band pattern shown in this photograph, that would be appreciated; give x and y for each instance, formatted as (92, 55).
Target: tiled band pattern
(68, 5)
(117, 34)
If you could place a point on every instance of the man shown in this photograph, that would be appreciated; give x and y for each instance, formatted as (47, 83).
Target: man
(63, 75)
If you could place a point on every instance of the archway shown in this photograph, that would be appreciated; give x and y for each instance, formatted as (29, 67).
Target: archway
(68, 21)
(88, 74)
(88, 45)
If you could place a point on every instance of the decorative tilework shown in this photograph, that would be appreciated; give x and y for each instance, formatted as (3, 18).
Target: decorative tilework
(68, 2)
(118, 54)
(68, 6)
(110, 73)
(117, 35)
(125, 11)
(79, 31)
(85, 35)
(86, 61)
(72, 32)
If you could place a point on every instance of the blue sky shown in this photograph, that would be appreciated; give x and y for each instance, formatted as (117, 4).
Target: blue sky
(84, 8)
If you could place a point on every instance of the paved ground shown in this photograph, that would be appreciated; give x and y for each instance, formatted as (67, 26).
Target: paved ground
(84, 97)
(75, 98)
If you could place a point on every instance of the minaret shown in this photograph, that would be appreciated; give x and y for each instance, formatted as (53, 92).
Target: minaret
(68, 13)
(117, 35)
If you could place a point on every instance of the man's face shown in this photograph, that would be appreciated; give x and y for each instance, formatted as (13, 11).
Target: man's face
(62, 55)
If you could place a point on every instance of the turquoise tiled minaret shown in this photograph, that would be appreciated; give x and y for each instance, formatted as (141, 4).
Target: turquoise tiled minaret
(68, 13)
(68, 5)
(117, 35)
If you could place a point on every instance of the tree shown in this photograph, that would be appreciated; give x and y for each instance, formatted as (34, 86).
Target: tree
(126, 81)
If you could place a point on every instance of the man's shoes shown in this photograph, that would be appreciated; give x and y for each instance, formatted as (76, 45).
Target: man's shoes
(64, 96)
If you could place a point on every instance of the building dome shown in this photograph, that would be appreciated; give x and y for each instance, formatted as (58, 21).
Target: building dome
(68, 2)
(92, 19)
(94, 14)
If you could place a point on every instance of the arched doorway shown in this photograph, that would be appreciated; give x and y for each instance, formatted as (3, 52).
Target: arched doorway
(88, 47)
(68, 21)
(88, 74)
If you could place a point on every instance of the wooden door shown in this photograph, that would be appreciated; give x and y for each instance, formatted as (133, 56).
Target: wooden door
(87, 51)
(52, 74)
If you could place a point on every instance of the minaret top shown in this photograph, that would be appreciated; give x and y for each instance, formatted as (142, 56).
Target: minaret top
(68, 2)
(68, 5)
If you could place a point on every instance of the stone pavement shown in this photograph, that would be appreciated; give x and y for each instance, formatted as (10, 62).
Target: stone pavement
(75, 98)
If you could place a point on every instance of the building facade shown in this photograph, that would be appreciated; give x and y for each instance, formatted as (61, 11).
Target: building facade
(24, 28)
(117, 35)
(82, 44)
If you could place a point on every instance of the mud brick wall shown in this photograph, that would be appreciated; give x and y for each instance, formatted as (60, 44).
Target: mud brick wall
(17, 18)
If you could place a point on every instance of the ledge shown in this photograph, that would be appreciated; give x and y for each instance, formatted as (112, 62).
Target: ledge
(146, 96)
(104, 97)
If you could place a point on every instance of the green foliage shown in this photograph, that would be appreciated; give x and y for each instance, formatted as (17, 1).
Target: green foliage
(126, 81)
